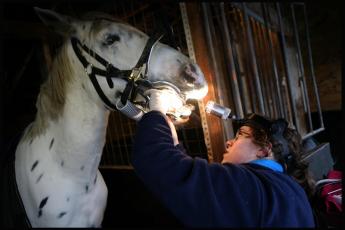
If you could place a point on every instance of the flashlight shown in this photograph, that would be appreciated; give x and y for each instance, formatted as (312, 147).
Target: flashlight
(219, 110)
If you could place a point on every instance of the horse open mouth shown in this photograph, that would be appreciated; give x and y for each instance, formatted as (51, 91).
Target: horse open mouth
(180, 110)
(182, 114)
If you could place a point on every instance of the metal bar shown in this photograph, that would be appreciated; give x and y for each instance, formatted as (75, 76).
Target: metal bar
(210, 35)
(253, 15)
(253, 60)
(303, 94)
(313, 133)
(264, 73)
(301, 67)
(231, 67)
(248, 68)
(293, 107)
(201, 105)
(274, 64)
(258, 46)
(239, 63)
(312, 67)
(246, 75)
(273, 99)
(210, 42)
(268, 73)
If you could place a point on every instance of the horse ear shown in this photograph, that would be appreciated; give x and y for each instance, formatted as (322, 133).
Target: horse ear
(59, 23)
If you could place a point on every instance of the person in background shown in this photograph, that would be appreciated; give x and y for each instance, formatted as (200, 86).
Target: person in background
(260, 182)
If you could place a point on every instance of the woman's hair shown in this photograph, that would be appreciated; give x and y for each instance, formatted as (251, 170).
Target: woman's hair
(296, 168)
(287, 149)
(260, 137)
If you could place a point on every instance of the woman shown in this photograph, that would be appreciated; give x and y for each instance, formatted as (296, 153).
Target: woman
(251, 188)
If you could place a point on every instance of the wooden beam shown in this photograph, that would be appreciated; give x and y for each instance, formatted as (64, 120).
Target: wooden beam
(216, 137)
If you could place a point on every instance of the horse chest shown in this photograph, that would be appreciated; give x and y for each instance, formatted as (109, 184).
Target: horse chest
(57, 198)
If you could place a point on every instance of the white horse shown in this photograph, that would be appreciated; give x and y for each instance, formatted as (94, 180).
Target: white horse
(57, 159)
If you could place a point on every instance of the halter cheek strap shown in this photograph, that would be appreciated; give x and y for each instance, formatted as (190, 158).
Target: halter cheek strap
(141, 66)
(92, 71)
(131, 76)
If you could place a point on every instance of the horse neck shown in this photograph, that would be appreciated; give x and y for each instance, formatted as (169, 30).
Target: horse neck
(80, 133)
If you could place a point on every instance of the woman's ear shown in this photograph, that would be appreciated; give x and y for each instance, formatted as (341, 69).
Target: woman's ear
(264, 151)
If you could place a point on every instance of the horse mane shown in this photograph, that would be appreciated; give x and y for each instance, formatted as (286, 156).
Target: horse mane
(52, 95)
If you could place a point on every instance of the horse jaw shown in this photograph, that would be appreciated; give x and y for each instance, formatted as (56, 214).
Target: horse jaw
(167, 64)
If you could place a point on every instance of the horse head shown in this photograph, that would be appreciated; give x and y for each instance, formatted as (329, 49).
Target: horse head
(123, 62)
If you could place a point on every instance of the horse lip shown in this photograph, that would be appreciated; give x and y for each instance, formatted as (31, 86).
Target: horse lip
(197, 93)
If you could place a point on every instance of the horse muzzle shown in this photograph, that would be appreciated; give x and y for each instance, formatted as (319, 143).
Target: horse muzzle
(196, 85)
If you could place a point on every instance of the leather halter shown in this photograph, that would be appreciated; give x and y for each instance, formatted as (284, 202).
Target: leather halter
(139, 72)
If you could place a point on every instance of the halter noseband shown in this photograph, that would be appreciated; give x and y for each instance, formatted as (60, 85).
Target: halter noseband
(138, 73)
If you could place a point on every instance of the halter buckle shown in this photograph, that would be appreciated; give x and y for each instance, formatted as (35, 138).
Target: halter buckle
(137, 72)
(88, 68)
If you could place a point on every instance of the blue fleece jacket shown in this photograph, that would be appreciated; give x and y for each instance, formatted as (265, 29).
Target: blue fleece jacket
(202, 194)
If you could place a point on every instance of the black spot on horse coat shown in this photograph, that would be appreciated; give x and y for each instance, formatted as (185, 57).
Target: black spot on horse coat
(51, 144)
(61, 214)
(39, 178)
(34, 165)
(43, 202)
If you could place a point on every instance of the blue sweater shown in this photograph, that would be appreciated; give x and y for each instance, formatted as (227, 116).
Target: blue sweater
(202, 194)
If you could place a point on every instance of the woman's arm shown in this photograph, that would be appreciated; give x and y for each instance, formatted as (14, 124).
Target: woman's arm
(197, 193)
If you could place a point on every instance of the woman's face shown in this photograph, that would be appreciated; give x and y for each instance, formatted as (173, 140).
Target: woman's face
(241, 149)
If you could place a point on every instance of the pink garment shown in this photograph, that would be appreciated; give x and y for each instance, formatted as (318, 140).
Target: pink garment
(332, 193)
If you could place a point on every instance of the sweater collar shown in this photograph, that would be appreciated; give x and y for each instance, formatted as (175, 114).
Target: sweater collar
(271, 164)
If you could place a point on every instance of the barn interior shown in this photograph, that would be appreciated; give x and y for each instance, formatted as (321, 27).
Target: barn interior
(27, 46)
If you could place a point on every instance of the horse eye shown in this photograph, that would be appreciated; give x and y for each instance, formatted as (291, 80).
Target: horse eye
(110, 39)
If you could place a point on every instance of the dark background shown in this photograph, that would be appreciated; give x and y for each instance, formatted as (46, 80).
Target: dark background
(129, 202)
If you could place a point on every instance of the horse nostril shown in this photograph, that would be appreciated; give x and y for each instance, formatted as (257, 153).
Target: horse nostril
(189, 78)
(192, 68)
(190, 73)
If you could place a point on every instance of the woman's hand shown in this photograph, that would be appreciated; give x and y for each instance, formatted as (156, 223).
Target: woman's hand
(165, 101)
